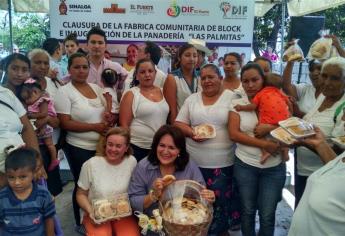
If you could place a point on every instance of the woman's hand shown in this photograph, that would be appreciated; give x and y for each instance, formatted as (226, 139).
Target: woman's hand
(101, 128)
(263, 129)
(52, 73)
(271, 147)
(39, 123)
(208, 195)
(157, 187)
(313, 141)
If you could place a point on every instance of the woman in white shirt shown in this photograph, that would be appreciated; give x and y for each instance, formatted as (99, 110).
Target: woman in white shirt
(80, 109)
(323, 115)
(214, 156)
(114, 163)
(143, 108)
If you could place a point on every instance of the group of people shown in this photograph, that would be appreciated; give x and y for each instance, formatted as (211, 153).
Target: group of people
(135, 127)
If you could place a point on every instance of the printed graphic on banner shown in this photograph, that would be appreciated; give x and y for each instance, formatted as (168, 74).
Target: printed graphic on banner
(218, 22)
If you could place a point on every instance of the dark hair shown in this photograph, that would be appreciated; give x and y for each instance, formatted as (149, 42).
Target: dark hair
(110, 77)
(154, 50)
(313, 64)
(264, 59)
(24, 157)
(213, 67)
(7, 61)
(236, 55)
(179, 141)
(51, 45)
(28, 89)
(98, 31)
(181, 50)
(254, 66)
(135, 81)
(132, 45)
(73, 56)
(274, 80)
(71, 37)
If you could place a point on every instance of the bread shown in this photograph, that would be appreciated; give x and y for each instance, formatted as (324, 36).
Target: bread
(318, 50)
(295, 57)
(168, 179)
(122, 207)
(204, 131)
(105, 210)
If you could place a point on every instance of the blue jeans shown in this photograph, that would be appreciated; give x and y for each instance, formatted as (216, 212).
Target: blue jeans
(260, 189)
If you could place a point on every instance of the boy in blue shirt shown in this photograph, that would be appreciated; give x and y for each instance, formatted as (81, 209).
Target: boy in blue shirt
(25, 207)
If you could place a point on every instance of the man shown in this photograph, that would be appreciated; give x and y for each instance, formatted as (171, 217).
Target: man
(151, 51)
(53, 47)
(96, 45)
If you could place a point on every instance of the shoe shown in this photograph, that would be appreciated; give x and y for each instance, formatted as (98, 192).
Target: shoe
(53, 164)
(80, 229)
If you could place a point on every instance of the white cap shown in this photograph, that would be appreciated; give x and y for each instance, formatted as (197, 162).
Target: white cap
(200, 45)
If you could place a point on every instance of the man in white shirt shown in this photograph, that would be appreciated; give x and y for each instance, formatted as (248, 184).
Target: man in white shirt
(151, 51)
(96, 45)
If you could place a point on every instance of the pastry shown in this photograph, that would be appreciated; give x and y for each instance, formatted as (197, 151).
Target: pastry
(318, 50)
(122, 207)
(204, 131)
(168, 179)
(105, 210)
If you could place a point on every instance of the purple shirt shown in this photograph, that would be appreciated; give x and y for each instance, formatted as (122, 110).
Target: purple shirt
(95, 74)
(145, 173)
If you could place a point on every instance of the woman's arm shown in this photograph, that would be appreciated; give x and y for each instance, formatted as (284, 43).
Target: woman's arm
(49, 226)
(186, 129)
(170, 94)
(28, 133)
(68, 124)
(83, 200)
(288, 87)
(125, 113)
(237, 136)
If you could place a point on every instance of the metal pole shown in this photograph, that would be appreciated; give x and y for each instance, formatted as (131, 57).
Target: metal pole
(10, 25)
(282, 35)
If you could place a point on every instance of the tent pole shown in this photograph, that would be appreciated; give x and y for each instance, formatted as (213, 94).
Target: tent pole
(10, 25)
(282, 35)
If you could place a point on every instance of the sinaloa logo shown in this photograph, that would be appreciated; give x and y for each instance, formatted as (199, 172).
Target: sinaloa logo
(174, 10)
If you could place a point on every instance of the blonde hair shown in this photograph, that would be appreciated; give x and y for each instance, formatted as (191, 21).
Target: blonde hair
(116, 131)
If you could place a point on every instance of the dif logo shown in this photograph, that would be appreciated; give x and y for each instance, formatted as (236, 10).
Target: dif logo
(174, 10)
(232, 11)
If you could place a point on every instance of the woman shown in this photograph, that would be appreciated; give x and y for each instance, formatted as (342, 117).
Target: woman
(71, 45)
(80, 109)
(322, 208)
(15, 127)
(115, 162)
(143, 108)
(167, 157)
(304, 94)
(211, 106)
(17, 70)
(232, 67)
(132, 57)
(260, 185)
(323, 115)
(183, 81)
(264, 63)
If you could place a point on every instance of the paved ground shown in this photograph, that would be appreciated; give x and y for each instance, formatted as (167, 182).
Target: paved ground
(65, 213)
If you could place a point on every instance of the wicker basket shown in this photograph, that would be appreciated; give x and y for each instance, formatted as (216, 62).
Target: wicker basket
(191, 190)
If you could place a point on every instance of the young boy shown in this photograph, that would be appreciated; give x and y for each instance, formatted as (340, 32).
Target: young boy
(25, 208)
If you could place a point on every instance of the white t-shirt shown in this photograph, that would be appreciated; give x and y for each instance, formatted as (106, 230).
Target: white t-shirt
(306, 97)
(71, 102)
(98, 176)
(159, 79)
(248, 154)
(183, 91)
(115, 104)
(216, 152)
(148, 117)
(10, 124)
(321, 210)
(307, 160)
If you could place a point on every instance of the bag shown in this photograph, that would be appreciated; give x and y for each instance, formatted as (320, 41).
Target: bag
(321, 49)
(293, 53)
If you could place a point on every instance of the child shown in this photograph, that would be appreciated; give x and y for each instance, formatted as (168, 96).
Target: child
(40, 106)
(272, 105)
(25, 207)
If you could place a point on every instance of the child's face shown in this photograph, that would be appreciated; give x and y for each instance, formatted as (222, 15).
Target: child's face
(20, 180)
(30, 99)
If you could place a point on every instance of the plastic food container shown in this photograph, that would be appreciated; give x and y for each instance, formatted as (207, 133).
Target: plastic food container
(205, 131)
(340, 141)
(283, 136)
(184, 211)
(297, 127)
(111, 208)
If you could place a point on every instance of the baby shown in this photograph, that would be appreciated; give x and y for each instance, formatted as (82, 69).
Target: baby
(272, 106)
(39, 106)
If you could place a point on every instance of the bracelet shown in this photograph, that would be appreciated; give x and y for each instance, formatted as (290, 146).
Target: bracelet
(153, 196)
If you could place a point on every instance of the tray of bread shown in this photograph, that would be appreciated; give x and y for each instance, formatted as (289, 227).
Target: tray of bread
(111, 208)
(283, 136)
(340, 141)
(297, 127)
(205, 131)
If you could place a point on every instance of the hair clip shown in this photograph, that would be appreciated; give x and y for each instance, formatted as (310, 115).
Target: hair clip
(30, 81)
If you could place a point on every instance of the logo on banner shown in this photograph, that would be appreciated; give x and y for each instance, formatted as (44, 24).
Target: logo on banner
(114, 8)
(63, 7)
(233, 11)
(141, 9)
(174, 10)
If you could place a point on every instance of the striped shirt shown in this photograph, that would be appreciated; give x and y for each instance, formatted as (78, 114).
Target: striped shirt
(25, 217)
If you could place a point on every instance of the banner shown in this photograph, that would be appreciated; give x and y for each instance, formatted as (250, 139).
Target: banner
(218, 22)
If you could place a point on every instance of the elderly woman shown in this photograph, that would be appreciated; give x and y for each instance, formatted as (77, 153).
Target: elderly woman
(116, 162)
(143, 108)
(260, 185)
(80, 109)
(214, 156)
(325, 115)
(182, 82)
(168, 156)
(304, 94)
